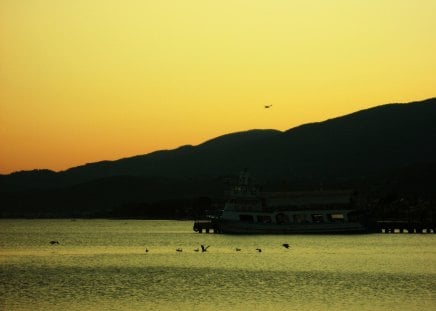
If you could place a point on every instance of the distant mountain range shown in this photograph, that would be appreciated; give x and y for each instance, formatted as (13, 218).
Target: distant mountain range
(363, 147)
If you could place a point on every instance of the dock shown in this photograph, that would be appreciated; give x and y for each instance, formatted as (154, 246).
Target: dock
(383, 226)
(400, 226)
(206, 225)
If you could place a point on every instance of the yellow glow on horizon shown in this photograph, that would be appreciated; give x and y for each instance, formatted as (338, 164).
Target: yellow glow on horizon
(89, 80)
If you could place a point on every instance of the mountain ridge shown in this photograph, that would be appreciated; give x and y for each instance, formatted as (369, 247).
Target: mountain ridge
(386, 153)
(369, 134)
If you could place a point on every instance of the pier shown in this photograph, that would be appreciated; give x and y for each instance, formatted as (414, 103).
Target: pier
(400, 226)
(206, 225)
(382, 226)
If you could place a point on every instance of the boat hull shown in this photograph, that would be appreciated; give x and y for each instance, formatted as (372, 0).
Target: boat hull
(236, 227)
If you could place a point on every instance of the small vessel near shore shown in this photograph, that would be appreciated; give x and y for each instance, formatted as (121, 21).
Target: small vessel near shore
(248, 211)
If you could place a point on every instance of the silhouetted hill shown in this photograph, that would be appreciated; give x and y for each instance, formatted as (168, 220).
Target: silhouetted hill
(360, 144)
(208, 159)
(366, 147)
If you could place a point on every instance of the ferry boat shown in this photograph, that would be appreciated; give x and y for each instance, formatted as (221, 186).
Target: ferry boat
(248, 211)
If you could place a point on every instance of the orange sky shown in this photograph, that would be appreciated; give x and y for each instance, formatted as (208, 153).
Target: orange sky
(89, 80)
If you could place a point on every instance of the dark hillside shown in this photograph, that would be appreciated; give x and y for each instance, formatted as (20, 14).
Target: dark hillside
(390, 147)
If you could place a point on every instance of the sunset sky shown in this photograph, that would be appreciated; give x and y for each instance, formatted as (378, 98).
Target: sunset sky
(89, 80)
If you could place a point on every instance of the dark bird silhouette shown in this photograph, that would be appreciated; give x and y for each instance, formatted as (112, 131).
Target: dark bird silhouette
(259, 250)
(54, 242)
(146, 250)
(179, 250)
(267, 106)
(204, 248)
(237, 249)
(285, 245)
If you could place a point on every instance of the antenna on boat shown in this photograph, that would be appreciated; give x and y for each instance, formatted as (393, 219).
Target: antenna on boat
(244, 178)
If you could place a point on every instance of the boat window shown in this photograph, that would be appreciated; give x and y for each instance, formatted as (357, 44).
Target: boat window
(336, 217)
(353, 216)
(282, 218)
(300, 218)
(317, 218)
(264, 219)
(246, 218)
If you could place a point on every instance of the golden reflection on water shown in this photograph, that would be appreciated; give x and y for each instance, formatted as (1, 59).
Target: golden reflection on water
(102, 265)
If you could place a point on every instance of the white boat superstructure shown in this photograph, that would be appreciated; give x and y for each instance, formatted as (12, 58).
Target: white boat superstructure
(249, 211)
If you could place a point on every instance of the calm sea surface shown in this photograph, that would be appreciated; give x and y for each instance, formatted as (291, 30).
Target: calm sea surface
(102, 265)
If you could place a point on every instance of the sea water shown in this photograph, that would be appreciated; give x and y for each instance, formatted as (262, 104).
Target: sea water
(104, 265)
